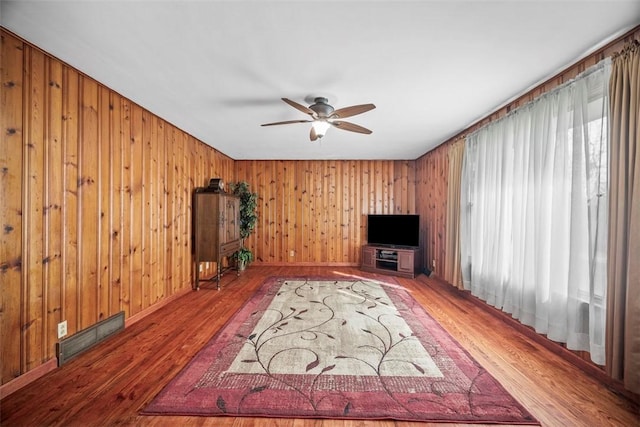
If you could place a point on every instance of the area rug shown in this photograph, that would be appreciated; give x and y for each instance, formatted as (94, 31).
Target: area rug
(346, 349)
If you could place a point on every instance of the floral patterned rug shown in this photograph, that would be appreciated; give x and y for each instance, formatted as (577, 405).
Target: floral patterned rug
(327, 348)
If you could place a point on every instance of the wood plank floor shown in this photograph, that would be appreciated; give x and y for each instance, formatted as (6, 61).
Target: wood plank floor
(111, 383)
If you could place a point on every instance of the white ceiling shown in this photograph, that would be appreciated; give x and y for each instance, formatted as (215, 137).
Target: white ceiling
(217, 69)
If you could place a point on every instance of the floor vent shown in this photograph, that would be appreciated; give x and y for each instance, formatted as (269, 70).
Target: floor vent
(77, 343)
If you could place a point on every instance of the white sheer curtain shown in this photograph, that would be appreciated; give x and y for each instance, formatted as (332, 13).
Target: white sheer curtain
(534, 212)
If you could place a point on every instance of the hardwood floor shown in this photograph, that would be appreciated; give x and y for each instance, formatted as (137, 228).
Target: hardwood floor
(111, 383)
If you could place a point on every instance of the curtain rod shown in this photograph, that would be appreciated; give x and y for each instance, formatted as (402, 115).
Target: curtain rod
(594, 68)
(627, 49)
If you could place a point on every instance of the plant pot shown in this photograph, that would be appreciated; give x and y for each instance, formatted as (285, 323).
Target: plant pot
(242, 265)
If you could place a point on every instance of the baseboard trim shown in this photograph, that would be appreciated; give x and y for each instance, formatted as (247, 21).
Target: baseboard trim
(52, 364)
(28, 377)
(155, 307)
(307, 264)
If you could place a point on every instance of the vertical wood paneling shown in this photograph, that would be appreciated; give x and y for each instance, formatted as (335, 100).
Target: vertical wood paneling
(116, 232)
(346, 207)
(307, 212)
(136, 210)
(332, 231)
(185, 211)
(103, 185)
(151, 190)
(262, 245)
(290, 212)
(32, 209)
(169, 208)
(431, 195)
(126, 208)
(54, 201)
(11, 175)
(301, 222)
(178, 216)
(95, 204)
(89, 217)
(386, 181)
(70, 291)
(145, 201)
(178, 186)
(279, 208)
(322, 206)
(317, 208)
(182, 215)
(164, 210)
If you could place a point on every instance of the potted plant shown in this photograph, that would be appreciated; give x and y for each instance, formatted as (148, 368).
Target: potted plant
(243, 257)
(248, 219)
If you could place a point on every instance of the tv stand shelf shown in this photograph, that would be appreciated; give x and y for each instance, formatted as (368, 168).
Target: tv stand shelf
(397, 261)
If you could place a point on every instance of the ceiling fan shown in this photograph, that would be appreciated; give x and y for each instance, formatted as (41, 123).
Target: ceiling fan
(324, 116)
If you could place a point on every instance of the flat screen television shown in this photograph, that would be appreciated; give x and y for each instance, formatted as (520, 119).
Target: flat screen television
(393, 230)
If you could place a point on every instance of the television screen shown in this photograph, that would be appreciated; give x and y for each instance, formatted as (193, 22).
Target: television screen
(393, 230)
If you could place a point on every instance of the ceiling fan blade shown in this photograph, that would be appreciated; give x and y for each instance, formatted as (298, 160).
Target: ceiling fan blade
(350, 127)
(299, 107)
(287, 122)
(342, 113)
(313, 135)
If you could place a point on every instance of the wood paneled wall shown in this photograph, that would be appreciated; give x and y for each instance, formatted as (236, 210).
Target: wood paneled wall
(314, 211)
(432, 171)
(95, 204)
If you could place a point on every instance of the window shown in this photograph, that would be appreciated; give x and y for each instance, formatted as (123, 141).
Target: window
(534, 212)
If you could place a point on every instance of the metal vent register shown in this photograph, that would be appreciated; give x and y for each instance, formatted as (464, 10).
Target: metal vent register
(70, 347)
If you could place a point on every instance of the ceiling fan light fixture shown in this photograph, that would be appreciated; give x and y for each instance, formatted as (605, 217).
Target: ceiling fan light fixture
(320, 127)
(323, 116)
(321, 108)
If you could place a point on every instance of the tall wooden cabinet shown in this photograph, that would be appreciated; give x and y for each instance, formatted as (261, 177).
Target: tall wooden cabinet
(216, 229)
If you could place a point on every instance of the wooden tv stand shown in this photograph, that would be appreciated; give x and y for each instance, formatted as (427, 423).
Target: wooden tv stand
(398, 261)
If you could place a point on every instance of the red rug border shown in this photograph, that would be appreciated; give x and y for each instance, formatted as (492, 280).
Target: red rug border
(269, 281)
